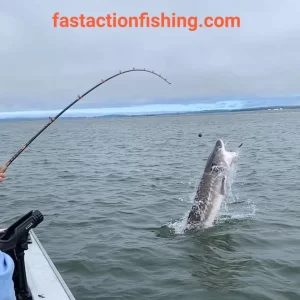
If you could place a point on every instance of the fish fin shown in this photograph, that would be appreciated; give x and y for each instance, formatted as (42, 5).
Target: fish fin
(223, 186)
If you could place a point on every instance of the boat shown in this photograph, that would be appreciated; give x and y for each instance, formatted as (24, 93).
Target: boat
(35, 275)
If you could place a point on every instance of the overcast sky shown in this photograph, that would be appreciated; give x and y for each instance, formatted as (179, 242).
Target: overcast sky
(44, 68)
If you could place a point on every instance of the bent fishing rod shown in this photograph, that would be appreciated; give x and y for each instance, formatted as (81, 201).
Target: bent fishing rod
(51, 120)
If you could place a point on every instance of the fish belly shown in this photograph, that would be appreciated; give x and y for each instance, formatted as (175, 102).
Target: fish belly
(215, 207)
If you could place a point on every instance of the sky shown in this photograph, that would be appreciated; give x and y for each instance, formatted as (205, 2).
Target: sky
(43, 68)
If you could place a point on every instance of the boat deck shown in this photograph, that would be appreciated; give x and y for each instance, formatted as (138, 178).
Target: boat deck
(44, 280)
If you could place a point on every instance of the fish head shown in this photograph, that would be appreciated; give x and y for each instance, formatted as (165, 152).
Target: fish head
(220, 159)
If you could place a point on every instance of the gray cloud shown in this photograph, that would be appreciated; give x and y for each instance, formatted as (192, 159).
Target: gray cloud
(45, 68)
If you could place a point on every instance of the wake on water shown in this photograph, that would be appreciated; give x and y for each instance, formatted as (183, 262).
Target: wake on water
(232, 208)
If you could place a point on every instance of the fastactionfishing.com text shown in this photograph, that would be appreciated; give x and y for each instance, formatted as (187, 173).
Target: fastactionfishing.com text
(144, 20)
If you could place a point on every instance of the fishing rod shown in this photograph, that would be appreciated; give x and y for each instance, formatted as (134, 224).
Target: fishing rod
(52, 120)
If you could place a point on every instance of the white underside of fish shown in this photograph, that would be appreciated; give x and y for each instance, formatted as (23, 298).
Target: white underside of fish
(217, 202)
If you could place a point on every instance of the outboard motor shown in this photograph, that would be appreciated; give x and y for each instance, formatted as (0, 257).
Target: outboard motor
(14, 241)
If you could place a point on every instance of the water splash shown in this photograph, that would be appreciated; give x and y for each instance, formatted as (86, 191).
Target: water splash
(234, 207)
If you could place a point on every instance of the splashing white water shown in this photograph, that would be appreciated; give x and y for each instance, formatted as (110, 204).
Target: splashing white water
(228, 211)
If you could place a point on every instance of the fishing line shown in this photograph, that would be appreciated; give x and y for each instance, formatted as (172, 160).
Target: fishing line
(52, 120)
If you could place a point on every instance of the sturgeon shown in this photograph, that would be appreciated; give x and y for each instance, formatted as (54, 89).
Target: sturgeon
(212, 188)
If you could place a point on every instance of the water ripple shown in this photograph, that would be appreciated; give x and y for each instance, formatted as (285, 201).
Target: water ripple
(115, 202)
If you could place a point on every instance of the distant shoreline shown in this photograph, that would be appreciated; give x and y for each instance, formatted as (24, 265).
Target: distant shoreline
(276, 108)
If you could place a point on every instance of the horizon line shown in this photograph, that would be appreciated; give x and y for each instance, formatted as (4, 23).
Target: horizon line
(222, 103)
(14, 115)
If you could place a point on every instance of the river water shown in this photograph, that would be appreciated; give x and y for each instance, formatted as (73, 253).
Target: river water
(115, 193)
